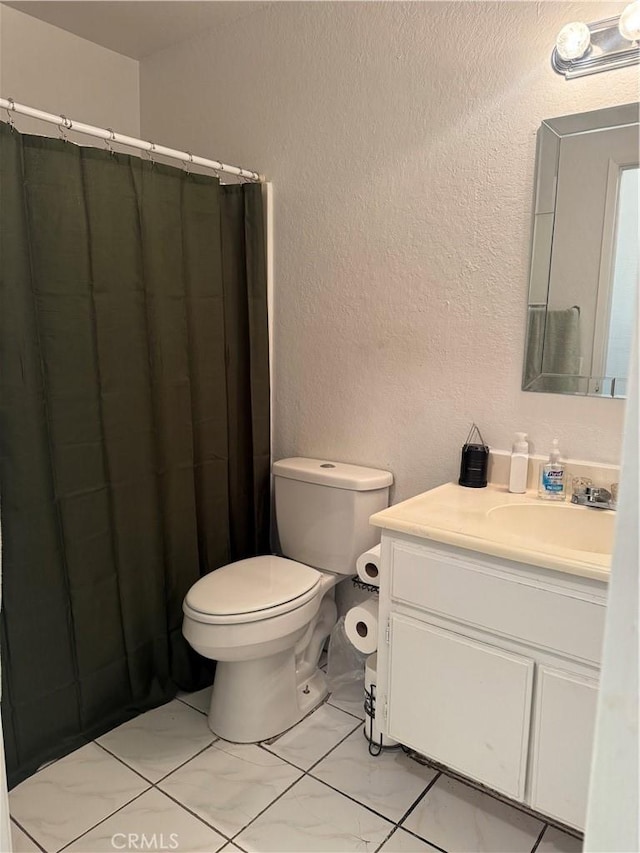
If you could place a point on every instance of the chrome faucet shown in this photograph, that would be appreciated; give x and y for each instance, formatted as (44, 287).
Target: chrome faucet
(596, 496)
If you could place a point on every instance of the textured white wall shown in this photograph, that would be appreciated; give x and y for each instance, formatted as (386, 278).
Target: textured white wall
(401, 141)
(53, 70)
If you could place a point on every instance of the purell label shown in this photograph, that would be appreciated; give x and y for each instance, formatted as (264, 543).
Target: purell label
(553, 480)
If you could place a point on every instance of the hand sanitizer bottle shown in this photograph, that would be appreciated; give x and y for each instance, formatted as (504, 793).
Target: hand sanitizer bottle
(552, 479)
(519, 464)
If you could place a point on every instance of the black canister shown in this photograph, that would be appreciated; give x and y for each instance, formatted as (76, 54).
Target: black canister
(474, 461)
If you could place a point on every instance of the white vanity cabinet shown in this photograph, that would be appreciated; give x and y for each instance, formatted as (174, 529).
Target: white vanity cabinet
(490, 667)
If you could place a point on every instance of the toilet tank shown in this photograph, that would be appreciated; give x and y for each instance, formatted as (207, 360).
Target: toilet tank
(323, 510)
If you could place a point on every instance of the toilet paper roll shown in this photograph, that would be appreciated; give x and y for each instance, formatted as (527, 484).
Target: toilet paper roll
(368, 566)
(361, 626)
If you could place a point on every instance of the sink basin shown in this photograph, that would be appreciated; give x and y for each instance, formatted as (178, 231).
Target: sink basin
(556, 525)
(521, 528)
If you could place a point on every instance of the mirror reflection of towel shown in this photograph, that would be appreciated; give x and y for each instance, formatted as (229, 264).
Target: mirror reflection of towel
(553, 347)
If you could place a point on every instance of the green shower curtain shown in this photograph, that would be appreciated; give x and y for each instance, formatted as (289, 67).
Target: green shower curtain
(134, 427)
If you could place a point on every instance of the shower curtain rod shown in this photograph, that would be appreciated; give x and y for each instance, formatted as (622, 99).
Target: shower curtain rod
(110, 136)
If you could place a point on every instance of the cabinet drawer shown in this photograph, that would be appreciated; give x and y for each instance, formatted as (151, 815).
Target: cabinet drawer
(463, 703)
(479, 596)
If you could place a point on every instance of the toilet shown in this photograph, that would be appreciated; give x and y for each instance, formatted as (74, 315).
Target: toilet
(265, 620)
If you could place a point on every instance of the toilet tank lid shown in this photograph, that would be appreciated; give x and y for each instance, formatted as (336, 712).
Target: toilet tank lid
(336, 474)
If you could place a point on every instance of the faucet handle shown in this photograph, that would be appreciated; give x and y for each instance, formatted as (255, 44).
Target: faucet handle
(579, 485)
(597, 494)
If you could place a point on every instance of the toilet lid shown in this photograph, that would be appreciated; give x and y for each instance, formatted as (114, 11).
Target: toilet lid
(251, 585)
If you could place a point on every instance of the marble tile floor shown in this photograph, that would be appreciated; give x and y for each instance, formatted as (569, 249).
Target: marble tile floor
(164, 782)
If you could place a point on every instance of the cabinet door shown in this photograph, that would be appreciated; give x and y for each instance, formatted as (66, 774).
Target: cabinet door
(564, 721)
(463, 703)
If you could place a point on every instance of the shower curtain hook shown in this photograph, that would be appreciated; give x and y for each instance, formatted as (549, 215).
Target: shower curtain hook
(10, 118)
(150, 152)
(218, 173)
(187, 164)
(65, 124)
(109, 142)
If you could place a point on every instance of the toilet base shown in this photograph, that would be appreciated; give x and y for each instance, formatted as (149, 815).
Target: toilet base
(256, 700)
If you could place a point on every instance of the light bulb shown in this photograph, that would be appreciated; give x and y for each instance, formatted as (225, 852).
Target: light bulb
(629, 24)
(573, 41)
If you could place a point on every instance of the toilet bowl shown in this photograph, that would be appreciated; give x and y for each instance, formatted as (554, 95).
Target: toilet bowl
(265, 620)
(267, 638)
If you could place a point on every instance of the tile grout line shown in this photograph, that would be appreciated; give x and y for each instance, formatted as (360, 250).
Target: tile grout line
(76, 838)
(563, 828)
(315, 763)
(414, 806)
(82, 834)
(353, 800)
(48, 764)
(394, 829)
(162, 778)
(288, 788)
(393, 823)
(334, 747)
(344, 794)
(28, 834)
(229, 839)
(420, 838)
(272, 740)
(408, 812)
(304, 773)
(121, 761)
(150, 786)
(329, 702)
(196, 815)
(418, 800)
(329, 751)
(195, 755)
(539, 838)
(545, 825)
(193, 707)
(522, 808)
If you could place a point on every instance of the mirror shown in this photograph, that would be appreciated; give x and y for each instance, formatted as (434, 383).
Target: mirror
(584, 254)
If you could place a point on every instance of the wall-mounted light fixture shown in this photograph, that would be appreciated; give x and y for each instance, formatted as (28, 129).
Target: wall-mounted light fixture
(589, 48)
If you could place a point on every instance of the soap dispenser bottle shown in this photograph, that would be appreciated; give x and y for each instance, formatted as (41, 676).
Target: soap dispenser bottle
(519, 464)
(552, 479)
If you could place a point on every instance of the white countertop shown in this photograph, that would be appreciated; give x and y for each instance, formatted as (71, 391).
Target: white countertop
(459, 516)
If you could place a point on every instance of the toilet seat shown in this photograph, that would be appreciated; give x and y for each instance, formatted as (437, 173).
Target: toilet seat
(250, 590)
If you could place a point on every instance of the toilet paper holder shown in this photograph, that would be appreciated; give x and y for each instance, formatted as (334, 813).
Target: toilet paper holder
(375, 747)
(366, 587)
(377, 741)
